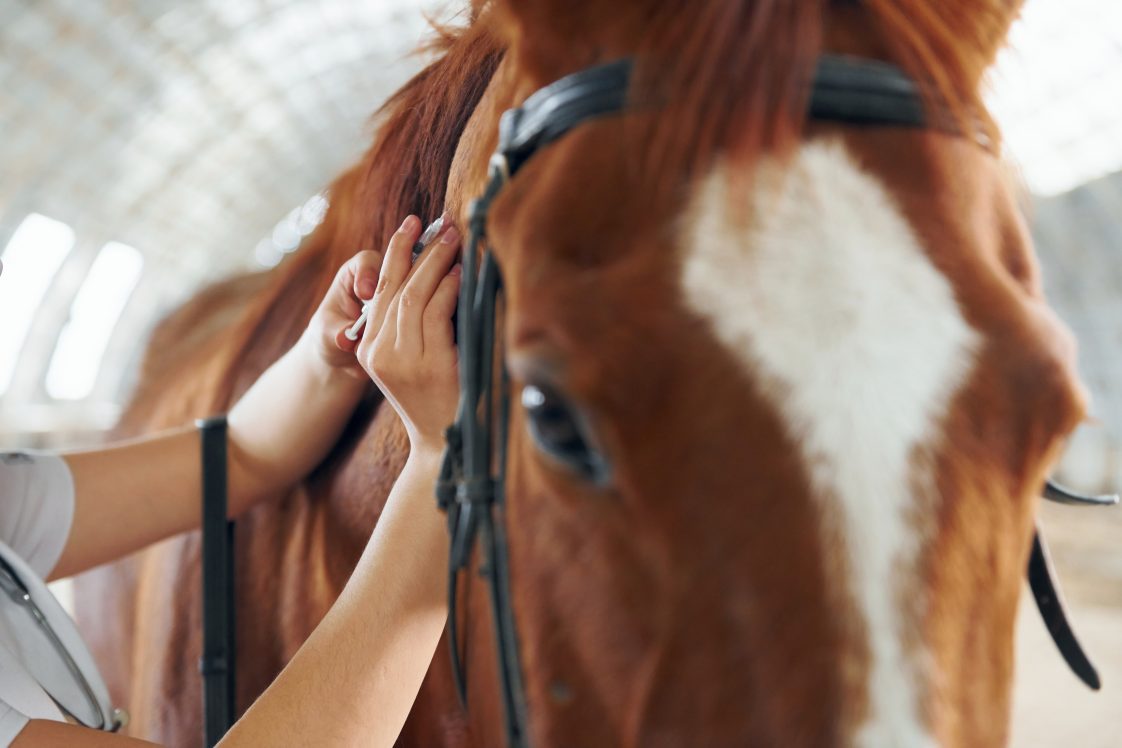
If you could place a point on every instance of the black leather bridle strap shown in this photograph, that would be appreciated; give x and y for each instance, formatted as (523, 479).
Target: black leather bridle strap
(845, 89)
(217, 661)
(1062, 495)
(1046, 593)
(856, 91)
(467, 489)
(1046, 590)
(559, 107)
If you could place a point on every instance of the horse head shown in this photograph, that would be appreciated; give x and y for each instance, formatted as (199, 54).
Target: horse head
(784, 392)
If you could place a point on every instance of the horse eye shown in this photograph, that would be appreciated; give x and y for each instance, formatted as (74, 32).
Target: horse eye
(558, 431)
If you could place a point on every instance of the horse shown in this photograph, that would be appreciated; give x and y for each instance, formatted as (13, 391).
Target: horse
(813, 362)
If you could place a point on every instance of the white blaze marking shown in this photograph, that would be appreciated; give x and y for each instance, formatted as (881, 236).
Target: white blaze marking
(858, 341)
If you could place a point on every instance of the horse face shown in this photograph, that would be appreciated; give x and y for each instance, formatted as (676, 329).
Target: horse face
(772, 476)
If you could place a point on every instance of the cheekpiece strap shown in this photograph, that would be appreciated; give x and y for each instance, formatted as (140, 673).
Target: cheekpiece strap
(559, 107)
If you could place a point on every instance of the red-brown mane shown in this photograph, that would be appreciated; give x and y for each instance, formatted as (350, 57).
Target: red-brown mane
(404, 172)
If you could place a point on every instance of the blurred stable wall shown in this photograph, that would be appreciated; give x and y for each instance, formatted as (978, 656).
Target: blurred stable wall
(148, 147)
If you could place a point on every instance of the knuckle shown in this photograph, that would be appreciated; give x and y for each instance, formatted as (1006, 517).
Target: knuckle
(402, 233)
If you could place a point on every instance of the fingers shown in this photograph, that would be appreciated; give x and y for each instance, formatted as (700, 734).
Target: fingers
(439, 338)
(395, 269)
(409, 322)
(355, 282)
(418, 292)
(364, 270)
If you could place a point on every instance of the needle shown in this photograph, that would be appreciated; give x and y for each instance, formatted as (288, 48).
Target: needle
(426, 239)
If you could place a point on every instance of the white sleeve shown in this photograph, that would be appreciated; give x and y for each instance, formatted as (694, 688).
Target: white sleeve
(36, 507)
(11, 724)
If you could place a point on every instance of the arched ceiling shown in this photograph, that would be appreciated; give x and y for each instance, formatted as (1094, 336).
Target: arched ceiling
(185, 141)
(184, 130)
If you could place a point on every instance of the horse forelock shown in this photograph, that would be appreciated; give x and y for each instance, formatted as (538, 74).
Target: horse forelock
(731, 79)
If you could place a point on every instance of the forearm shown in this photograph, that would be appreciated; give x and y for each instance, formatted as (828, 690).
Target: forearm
(355, 679)
(285, 424)
(132, 494)
(41, 733)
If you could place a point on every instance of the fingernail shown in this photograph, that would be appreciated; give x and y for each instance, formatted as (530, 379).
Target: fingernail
(407, 222)
(366, 289)
(451, 236)
(456, 269)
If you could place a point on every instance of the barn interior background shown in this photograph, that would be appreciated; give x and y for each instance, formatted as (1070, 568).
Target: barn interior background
(149, 147)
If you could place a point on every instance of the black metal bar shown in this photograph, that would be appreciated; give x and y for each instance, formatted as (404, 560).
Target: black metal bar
(217, 662)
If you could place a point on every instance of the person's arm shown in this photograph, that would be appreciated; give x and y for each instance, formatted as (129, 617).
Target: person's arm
(354, 680)
(135, 493)
(45, 733)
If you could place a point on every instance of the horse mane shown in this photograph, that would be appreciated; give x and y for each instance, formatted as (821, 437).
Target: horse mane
(404, 171)
(948, 44)
(179, 346)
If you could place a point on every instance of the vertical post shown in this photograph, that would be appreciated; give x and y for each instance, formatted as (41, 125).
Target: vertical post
(217, 662)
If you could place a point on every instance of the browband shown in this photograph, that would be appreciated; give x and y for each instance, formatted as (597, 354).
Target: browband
(856, 91)
(845, 89)
(559, 107)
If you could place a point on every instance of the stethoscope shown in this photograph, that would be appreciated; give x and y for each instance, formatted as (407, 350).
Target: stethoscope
(17, 591)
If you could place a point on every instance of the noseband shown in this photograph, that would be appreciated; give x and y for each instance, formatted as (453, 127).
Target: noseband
(471, 487)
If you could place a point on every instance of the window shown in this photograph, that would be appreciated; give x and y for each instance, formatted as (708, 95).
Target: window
(31, 259)
(93, 315)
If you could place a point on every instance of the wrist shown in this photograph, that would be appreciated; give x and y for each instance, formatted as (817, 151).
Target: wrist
(426, 455)
(327, 374)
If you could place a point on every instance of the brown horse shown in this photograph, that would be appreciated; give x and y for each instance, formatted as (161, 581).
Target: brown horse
(816, 358)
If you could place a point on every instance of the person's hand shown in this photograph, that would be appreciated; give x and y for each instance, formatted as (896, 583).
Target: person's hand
(355, 282)
(408, 348)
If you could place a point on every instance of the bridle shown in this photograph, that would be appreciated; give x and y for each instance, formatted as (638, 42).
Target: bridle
(471, 487)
